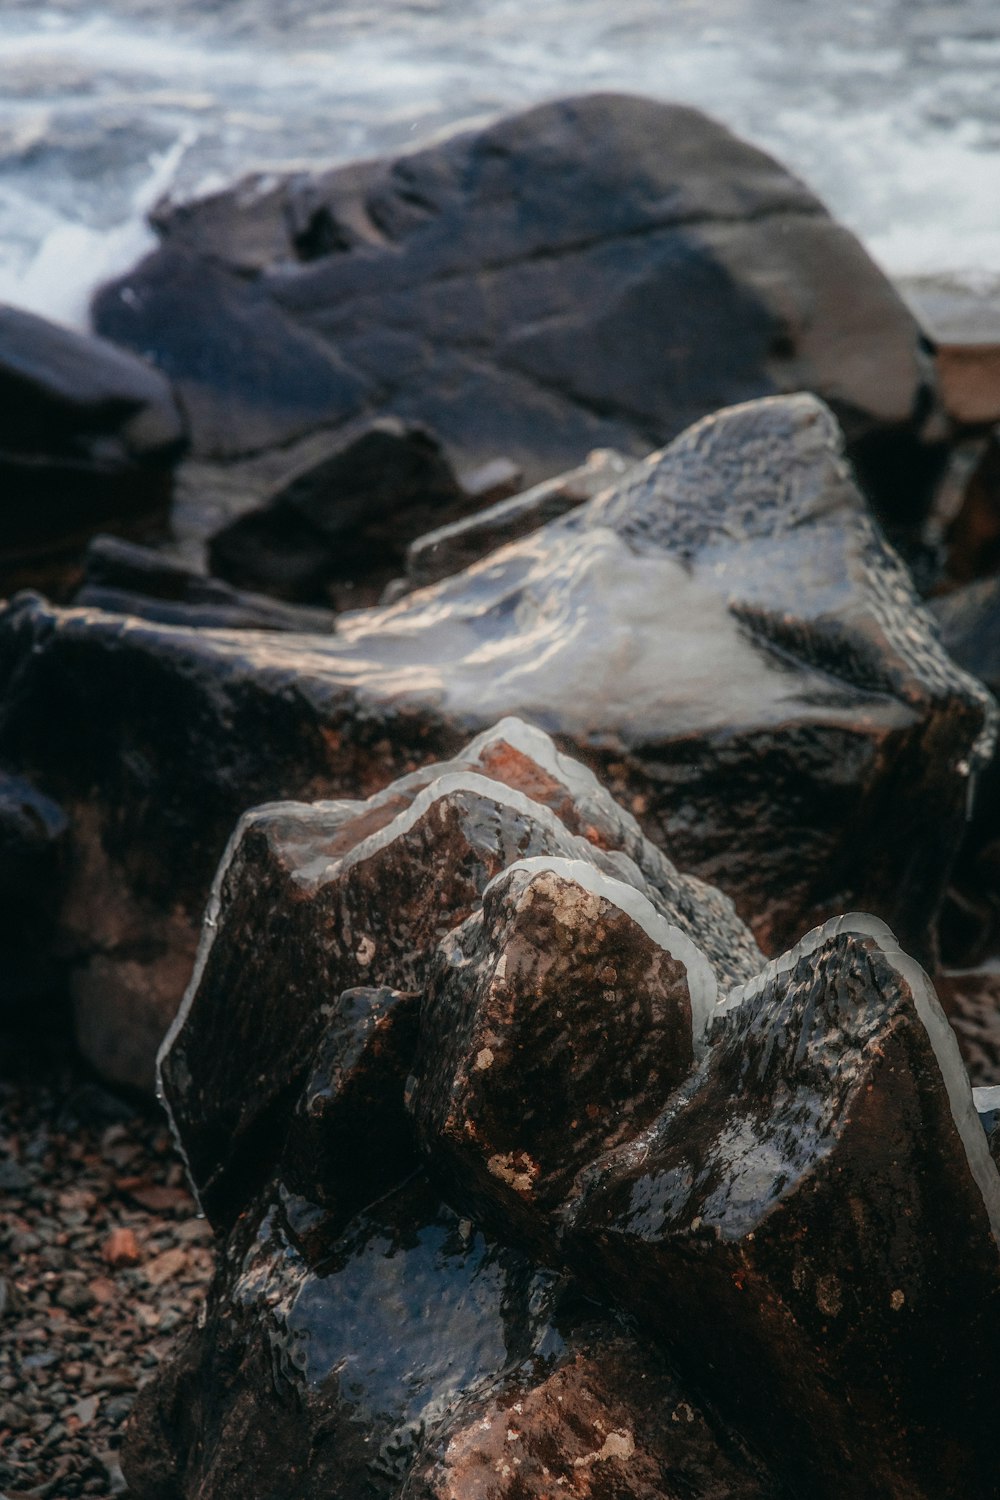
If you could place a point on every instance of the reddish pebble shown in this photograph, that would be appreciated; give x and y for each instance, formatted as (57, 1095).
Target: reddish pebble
(121, 1248)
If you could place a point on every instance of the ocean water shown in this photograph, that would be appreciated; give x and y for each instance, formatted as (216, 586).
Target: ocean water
(889, 109)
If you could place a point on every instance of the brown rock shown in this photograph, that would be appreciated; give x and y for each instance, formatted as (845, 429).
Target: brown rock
(121, 1248)
(818, 1211)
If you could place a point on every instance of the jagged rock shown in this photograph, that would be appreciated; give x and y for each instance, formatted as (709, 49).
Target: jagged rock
(387, 1371)
(88, 437)
(725, 638)
(344, 521)
(558, 1019)
(607, 1420)
(123, 578)
(594, 272)
(812, 1225)
(311, 901)
(449, 549)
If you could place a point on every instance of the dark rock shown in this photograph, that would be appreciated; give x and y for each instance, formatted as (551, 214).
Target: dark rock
(311, 901)
(607, 1419)
(88, 437)
(34, 838)
(817, 1210)
(971, 1001)
(522, 1079)
(969, 622)
(449, 549)
(344, 520)
(595, 272)
(386, 1370)
(725, 638)
(121, 577)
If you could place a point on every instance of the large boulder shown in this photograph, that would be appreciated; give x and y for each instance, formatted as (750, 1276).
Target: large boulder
(599, 271)
(511, 1230)
(89, 435)
(725, 638)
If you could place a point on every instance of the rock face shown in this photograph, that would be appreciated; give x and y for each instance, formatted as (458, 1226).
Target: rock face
(725, 638)
(596, 272)
(344, 520)
(512, 1230)
(88, 438)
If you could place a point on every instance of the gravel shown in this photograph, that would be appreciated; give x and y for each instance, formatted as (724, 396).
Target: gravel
(104, 1263)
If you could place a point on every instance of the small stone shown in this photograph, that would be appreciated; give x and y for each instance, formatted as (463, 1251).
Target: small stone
(121, 1248)
(162, 1267)
(85, 1411)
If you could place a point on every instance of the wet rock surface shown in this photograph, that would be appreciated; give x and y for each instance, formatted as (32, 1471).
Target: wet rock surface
(583, 1201)
(698, 269)
(724, 637)
(89, 435)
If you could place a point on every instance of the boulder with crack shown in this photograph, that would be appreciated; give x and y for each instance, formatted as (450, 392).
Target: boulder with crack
(596, 271)
(724, 637)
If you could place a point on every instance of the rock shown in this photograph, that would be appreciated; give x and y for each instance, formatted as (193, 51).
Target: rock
(387, 1371)
(794, 1215)
(34, 838)
(725, 638)
(329, 884)
(88, 437)
(964, 326)
(522, 1078)
(344, 521)
(122, 577)
(605, 1419)
(969, 621)
(598, 271)
(449, 549)
(971, 1001)
(121, 1248)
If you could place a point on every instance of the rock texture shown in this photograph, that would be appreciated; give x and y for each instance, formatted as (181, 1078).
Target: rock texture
(124, 578)
(340, 526)
(595, 272)
(88, 438)
(725, 637)
(600, 1202)
(312, 901)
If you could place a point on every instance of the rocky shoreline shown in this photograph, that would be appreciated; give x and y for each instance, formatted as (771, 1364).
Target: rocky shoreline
(497, 734)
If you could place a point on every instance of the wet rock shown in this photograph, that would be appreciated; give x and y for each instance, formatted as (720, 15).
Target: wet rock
(88, 437)
(312, 901)
(698, 269)
(558, 1019)
(122, 577)
(795, 1215)
(449, 549)
(724, 638)
(606, 1420)
(419, 1359)
(345, 520)
(969, 621)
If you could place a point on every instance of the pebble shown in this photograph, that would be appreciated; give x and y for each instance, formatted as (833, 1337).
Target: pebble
(92, 1188)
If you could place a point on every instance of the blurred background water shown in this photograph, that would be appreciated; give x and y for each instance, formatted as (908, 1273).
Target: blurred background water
(889, 109)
